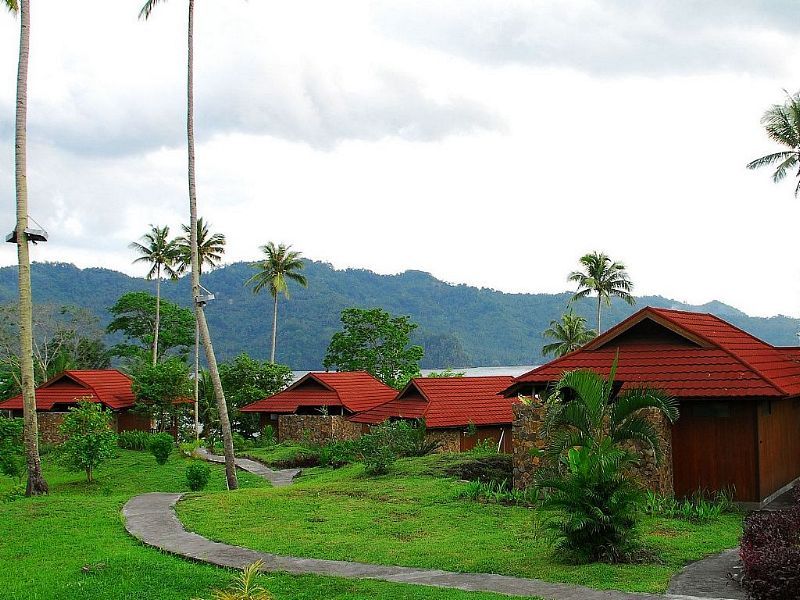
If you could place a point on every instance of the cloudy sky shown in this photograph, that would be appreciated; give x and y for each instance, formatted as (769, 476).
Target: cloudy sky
(487, 142)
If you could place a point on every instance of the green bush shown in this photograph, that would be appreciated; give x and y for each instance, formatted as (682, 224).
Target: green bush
(89, 438)
(187, 449)
(241, 443)
(16, 492)
(267, 437)
(338, 453)
(12, 450)
(378, 449)
(161, 446)
(197, 475)
(134, 440)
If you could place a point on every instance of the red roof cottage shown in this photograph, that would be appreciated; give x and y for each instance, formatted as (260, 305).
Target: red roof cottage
(739, 397)
(337, 394)
(109, 387)
(450, 405)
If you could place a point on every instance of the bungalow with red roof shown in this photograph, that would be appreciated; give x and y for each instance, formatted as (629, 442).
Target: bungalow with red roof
(739, 397)
(316, 405)
(109, 387)
(459, 412)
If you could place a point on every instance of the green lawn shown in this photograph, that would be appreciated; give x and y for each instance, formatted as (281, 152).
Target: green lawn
(72, 544)
(413, 518)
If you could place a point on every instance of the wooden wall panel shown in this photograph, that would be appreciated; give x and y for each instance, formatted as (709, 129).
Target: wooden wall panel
(714, 452)
(779, 443)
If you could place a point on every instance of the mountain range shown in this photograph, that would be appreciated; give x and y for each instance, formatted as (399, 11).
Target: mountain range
(459, 325)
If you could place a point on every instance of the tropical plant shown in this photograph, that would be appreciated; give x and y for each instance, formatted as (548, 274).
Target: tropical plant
(592, 440)
(89, 437)
(205, 335)
(161, 446)
(244, 588)
(374, 341)
(161, 253)
(570, 334)
(159, 388)
(36, 482)
(280, 265)
(603, 277)
(782, 123)
(210, 248)
(197, 475)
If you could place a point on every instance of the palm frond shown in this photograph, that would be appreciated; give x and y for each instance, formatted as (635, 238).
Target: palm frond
(147, 9)
(769, 159)
(12, 6)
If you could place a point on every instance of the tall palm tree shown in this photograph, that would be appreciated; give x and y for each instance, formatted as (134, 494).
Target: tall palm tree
(36, 482)
(200, 316)
(603, 277)
(570, 332)
(161, 253)
(280, 265)
(782, 122)
(210, 249)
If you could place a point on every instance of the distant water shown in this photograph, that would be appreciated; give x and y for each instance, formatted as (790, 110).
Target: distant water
(514, 371)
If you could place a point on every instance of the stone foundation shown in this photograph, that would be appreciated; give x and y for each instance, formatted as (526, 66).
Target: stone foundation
(525, 436)
(49, 423)
(316, 429)
(449, 439)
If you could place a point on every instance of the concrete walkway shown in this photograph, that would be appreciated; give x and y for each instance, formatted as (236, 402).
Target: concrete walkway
(279, 478)
(711, 577)
(151, 518)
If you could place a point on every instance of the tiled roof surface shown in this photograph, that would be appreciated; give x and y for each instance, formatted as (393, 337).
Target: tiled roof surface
(109, 386)
(355, 390)
(448, 402)
(721, 360)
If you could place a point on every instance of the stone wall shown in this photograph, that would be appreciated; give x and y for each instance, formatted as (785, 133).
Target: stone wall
(449, 439)
(525, 437)
(316, 429)
(48, 427)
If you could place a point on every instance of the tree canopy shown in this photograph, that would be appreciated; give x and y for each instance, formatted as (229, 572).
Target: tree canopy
(570, 334)
(372, 340)
(782, 124)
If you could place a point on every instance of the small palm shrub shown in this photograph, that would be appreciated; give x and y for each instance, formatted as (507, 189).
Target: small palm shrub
(161, 445)
(588, 454)
(244, 587)
(134, 440)
(197, 475)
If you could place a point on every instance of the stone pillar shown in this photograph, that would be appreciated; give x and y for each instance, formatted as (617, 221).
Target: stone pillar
(525, 438)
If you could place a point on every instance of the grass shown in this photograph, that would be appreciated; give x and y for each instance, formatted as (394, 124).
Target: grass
(274, 455)
(415, 518)
(72, 544)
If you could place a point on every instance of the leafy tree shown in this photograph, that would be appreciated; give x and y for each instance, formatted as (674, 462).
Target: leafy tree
(210, 248)
(200, 316)
(279, 266)
(570, 334)
(246, 380)
(89, 437)
(782, 122)
(372, 340)
(157, 388)
(36, 482)
(12, 447)
(604, 278)
(161, 254)
(134, 316)
(592, 439)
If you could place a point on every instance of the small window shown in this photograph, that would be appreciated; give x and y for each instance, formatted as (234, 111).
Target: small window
(712, 409)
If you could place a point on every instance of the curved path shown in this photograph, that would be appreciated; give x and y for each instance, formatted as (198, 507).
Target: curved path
(151, 518)
(279, 478)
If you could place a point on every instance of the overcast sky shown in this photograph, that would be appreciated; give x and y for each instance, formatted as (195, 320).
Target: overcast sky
(487, 142)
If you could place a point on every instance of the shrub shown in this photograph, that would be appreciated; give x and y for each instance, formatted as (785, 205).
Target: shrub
(241, 443)
(187, 449)
(16, 492)
(338, 453)
(161, 446)
(89, 438)
(12, 450)
(485, 446)
(770, 553)
(244, 587)
(134, 440)
(377, 450)
(267, 437)
(197, 475)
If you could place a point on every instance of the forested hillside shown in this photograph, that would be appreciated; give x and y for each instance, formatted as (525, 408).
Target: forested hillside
(459, 325)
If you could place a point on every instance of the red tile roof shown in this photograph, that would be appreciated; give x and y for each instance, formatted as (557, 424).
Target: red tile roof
(354, 390)
(688, 355)
(109, 386)
(448, 402)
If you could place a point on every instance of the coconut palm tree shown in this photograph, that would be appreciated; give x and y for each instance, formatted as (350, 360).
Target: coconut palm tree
(36, 482)
(210, 249)
(280, 265)
(782, 122)
(161, 253)
(605, 278)
(570, 332)
(592, 438)
(205, 335)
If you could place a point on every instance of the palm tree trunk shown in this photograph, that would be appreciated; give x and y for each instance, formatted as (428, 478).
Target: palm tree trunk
(196, 380)
(36, 483)
(599, 300)
(158, 315)
(205, 336)
(274, 329)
